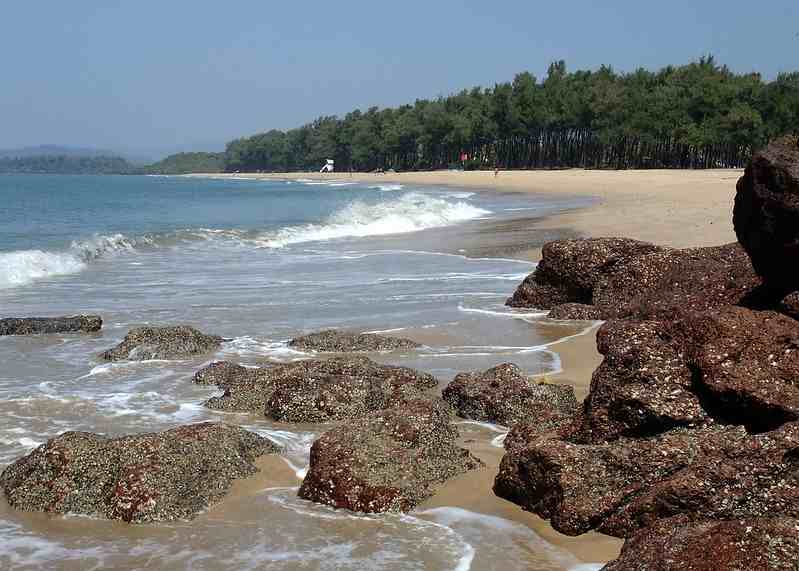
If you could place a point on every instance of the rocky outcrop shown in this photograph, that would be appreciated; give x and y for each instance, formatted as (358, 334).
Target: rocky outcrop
(746, 365)
(666, 283)
(570, 269)
(390, 460)
(175, 342)
(622, 486)
(42, 325)
(504, 395)
(688, 442)
(165, 476)
(643, 385)
(766, 214)
(740, 544)
(332, 341)
(636, 280)
(319, 390)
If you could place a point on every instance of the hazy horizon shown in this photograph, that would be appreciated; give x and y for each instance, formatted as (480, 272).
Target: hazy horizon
(149, 79)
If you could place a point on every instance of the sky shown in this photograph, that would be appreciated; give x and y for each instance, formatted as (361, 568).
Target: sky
(151, 77)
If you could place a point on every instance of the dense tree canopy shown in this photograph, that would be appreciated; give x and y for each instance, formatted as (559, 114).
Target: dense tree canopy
(183, 163)
(700, 115)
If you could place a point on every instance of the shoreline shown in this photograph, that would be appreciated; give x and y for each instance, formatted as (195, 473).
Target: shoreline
(677, 208)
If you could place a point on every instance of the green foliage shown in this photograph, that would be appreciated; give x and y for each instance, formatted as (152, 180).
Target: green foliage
(698, 115)
(63, 164)
(184, 163)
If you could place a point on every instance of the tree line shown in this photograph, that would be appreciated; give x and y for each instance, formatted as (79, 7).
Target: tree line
(700, 115)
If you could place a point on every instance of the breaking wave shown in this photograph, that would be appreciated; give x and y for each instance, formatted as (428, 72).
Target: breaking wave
(410, 213)
(25, 266)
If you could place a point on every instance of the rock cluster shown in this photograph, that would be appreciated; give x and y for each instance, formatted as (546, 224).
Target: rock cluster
(333, 341)
(42, 325)
(166, 476)
(390, 460)
(315, 390)
(175, 342)
(504, 395)
(688, 442)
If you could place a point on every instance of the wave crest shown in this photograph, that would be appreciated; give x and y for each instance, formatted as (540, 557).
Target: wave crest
(22, 267)
(409, 213)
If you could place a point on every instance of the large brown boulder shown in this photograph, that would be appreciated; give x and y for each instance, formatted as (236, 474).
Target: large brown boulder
(616, 278)
(333, 341)
(766, 214)
(165, 476)
(506, 396)
(622, 486)
(570, 269)
(173, 342)
(662, 284)
(43, 325)
(746, 365)
(316, 390)
(390, 460)
(643, 385)
(741, 544)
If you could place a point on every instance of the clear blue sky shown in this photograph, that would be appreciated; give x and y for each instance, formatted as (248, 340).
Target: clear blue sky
(155, 76)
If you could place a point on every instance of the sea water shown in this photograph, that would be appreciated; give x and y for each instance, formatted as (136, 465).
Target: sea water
(256, 262)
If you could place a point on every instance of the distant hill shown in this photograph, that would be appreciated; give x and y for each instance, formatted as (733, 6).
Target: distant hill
(51, 159)
(54, 151)
(66, 164)
(184, 163)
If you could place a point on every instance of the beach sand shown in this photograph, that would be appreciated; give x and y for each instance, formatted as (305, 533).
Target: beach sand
(673, 208)
(678, 208)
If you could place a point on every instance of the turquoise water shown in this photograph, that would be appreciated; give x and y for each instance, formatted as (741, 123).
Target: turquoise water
(257, 262)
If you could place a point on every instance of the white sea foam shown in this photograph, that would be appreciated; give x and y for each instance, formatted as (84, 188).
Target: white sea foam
(387, 187)
(22, 267)
(523, 315)
(409, 213)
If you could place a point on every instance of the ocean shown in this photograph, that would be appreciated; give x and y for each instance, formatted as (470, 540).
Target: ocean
(257, 262)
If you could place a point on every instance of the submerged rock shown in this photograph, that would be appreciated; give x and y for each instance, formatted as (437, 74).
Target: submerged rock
(741, 544)
(504, 395)
(165, 476)
(390, 460)
(174, 342)
(223, 373)
(332, 341)
(766, 214)
(319, 390)
(42, 325)
(622, 486)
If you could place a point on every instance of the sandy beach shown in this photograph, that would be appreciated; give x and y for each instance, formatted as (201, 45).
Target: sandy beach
(679, 208)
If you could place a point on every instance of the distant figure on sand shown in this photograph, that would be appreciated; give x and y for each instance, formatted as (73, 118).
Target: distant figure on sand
(328, 167)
